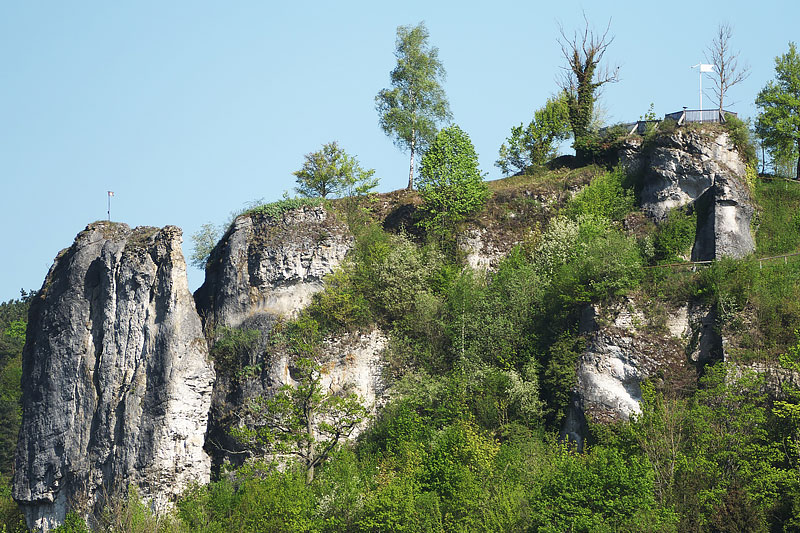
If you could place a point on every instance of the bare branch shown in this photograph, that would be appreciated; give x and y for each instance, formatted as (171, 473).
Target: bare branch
(726, 63)
(583, 75)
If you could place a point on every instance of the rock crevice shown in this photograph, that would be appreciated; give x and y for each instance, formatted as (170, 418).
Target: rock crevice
(116, 377)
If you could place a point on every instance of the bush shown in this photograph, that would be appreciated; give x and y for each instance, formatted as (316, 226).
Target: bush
(275, 210)
(601, 491)
(232, 348)
(742, 138)
(675, 237)
(449, 182)
(605, 196)
(340, 306)
(73, 523)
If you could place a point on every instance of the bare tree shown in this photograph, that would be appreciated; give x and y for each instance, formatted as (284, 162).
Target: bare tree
(726, 63)
(583, 76)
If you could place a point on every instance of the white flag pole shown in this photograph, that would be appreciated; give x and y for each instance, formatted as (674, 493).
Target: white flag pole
(703, 68)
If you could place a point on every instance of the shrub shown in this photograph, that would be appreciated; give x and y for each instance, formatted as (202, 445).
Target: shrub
(742, 138)
(232, 347)
(73, 523)
(675, 237)
(605, 197)
(449, 182)
(275, 210)
(340, 305)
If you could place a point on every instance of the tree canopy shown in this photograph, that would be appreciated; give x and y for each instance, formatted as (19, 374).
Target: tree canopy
(331, 171)
(537, 143)
(778, 124)
(583, 76)
(450, 183)
(416, 104)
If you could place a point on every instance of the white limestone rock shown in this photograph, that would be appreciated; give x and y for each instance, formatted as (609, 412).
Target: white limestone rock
(116, 378)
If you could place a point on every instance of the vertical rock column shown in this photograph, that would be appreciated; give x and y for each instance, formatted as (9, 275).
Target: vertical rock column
(116, 377)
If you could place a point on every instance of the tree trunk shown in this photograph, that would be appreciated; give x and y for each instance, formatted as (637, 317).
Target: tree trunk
(310, 451)
(411, 167)
(797, 176)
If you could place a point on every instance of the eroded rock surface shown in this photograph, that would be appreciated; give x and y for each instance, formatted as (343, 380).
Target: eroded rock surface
(116, 378)
(701, 167)
(624, 348)
(679, 167)
(724, 213)
(263, 270)
(271, 266)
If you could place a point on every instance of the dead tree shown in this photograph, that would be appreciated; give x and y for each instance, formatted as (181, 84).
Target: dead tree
(726, 63)
(583, 76)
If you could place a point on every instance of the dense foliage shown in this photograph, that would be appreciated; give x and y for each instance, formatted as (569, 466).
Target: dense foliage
(537, 143)
(778, 124)
(332, 171)
(450, 184)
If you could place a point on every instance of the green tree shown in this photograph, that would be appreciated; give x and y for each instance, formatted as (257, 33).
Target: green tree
(450, 183)
(332, 171)
(204, 241)
(302, 419)
(778, 124)
(537, 143)
(416, 104)
(582, 78)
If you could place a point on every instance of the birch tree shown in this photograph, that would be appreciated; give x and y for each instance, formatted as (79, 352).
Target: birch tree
(416, 105)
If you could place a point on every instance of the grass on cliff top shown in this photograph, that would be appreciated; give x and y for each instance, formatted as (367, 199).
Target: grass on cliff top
(777, 219)
(276, 209)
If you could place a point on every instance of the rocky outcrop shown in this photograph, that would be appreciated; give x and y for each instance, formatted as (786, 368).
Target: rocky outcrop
(265, 269)
(116, 377)
(700, 167)
(724, 213)
(266, 265)
(624, 348)
(619, 355)
(679, 167)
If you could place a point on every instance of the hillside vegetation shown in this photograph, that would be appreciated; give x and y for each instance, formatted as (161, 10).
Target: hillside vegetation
(482, 366)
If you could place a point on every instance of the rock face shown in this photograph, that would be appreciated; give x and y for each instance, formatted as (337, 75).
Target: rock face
(703, 168)
(264, 269)
(116, 377)
(624, 348)
(724, 213)
(270, 265)
(681, 166)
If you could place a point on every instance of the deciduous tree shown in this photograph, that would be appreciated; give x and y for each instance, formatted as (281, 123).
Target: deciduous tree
(778, 124)
(303, 419)
(583, 76)
(416, 104)
(450, 183)
(333, 171)
(536, 144)
(726, 63)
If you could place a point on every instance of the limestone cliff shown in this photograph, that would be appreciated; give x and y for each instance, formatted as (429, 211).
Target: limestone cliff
(700, 167)
(264, 269)
(116, 377)
(625, 347)
(270, 266)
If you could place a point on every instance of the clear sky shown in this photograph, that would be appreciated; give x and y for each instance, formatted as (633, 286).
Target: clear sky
(188, 110)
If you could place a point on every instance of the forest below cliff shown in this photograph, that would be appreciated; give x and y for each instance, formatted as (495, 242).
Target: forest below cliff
(481, 365)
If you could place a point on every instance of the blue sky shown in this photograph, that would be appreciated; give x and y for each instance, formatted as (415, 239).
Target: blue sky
(188, 110)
